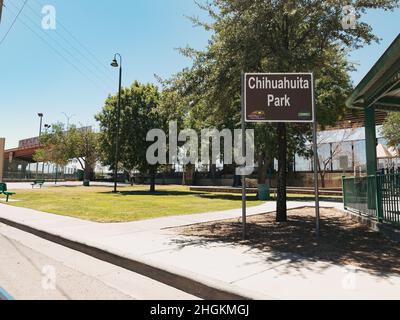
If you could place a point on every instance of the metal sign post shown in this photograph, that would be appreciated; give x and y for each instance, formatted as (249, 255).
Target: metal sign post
(244, 214)
(315, 152)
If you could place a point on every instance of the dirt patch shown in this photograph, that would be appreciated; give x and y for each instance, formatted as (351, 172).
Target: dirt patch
(343, 240)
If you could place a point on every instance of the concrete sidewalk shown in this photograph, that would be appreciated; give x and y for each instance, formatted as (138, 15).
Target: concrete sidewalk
(242, 270)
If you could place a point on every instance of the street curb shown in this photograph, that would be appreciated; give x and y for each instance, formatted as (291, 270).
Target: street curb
(208, 289)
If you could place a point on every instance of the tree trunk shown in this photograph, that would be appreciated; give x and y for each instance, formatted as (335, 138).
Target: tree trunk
(281, 214)
(262, 169)
(131, 179)
(86, 171)
(152, 180)
(322, 175)
(236, 181)
(188, 175)
(213, 173)
(184, 176)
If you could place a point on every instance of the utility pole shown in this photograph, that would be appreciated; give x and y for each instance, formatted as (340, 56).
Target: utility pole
(68, 118)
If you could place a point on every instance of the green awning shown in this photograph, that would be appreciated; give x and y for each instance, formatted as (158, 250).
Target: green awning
(380, 88)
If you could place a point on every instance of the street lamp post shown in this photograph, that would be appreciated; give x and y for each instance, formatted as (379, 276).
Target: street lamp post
(40, 115)
(46, 127)
(115, 64)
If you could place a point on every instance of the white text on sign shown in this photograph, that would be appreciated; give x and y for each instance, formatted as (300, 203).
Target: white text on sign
(278, 101)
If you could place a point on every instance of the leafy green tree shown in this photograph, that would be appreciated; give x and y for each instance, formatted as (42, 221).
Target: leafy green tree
(139, 114)
(391, 130)
(275, 36)
(60, 145)
(177, 106)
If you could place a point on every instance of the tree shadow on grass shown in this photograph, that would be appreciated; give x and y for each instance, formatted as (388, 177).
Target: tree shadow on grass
(311, 198)
(342, 241)
(79, 186)
(224, 196)
(157, 193)
(204, 195)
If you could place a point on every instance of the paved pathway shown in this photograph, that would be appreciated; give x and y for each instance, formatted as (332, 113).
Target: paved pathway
(249, 270)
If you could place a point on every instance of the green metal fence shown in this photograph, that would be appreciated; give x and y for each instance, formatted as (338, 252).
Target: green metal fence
(374, 196)
(389, 197)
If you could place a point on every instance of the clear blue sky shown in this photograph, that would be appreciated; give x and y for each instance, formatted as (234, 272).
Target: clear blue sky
(35, 79)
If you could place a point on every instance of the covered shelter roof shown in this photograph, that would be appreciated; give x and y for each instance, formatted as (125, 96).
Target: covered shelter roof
(380, 88)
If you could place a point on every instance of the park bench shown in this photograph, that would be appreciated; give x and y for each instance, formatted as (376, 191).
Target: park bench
(3, 190)
(39, 183)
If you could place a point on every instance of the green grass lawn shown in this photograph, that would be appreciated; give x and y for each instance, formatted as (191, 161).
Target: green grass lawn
(130, 204)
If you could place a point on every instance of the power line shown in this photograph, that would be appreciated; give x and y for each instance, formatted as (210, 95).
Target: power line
(83, 46)
(58, 52)
(104, 74)
(88, 51)
(65, 50)
(14, 21)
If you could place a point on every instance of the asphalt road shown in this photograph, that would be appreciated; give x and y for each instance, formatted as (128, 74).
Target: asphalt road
(35, 269)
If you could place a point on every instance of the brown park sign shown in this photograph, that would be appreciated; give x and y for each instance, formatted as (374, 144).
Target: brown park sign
(279, 97)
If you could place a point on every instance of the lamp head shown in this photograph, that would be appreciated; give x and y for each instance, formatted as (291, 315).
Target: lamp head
(114, 63)
(40, 115)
